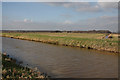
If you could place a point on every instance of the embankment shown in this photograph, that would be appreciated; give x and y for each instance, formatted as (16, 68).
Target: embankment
(12, 70)
(82, 40)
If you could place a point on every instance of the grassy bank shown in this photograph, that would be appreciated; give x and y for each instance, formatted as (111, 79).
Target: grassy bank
(84, 40)
(14, 71)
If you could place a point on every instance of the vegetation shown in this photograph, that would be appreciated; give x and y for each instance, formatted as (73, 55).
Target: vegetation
(14, 71)
(97, 41)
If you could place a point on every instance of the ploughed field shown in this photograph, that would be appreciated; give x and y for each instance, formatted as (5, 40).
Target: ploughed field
(98, 41)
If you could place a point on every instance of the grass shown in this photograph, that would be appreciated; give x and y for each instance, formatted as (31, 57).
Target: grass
(84, 40)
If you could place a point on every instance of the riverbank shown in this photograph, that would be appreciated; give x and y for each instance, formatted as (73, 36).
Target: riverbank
(11, 69)
(96, 41)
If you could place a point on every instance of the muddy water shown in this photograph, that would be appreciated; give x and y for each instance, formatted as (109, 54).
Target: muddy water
(63, 62)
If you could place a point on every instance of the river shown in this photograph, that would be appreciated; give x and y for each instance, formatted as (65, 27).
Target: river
(61, 61)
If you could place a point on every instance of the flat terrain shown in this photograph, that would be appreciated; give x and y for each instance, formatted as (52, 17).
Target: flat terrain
(97, 41)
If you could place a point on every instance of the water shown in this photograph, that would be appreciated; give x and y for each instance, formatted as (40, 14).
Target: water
(61, 61)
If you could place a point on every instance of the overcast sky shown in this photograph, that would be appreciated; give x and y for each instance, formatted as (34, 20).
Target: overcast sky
(60, 15)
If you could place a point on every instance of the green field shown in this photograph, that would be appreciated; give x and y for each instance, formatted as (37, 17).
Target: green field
(83, 40)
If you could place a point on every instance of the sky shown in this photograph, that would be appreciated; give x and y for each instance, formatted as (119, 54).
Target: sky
(0, 15)
(60, 0)
(60, 15)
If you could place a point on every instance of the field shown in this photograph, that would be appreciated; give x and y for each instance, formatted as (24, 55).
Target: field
(96, 41)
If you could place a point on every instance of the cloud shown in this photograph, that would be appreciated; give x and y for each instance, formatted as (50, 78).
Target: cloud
(0, 3)
(0, 22)
(68, 22)
(27, 20)
(103, 22)
(108, 0)
(94, 0)
(24, 20)
(87, 6)
(108, 5)
(78, 6)
(35, 0)
(98, 23)
(60, 0)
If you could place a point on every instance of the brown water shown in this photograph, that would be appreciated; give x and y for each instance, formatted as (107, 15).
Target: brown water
(63, 62)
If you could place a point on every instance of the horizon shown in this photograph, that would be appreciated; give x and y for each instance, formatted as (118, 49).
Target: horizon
(77, 31)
